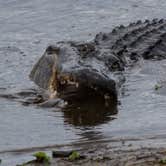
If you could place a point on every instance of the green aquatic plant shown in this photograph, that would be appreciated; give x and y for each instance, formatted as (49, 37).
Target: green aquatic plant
(74, 156)
(42, 157)
(162, 161)
(157, 87)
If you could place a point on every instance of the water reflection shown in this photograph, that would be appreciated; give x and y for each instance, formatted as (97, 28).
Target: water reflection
(90, 112)
(24, 96)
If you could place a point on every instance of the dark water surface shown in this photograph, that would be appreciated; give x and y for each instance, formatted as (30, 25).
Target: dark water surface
(27, 27)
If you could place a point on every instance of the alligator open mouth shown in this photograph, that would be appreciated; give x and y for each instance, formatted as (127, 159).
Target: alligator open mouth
(70, 76)
(82, 84)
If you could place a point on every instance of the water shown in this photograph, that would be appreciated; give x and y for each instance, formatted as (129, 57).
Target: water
(27, 27)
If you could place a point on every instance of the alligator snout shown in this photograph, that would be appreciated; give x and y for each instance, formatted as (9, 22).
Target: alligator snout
(85, 81)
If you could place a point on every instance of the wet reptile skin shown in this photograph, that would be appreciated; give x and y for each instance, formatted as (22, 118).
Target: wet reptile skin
(95, 64)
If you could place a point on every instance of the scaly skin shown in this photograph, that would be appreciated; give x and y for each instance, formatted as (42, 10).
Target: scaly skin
(96, 67)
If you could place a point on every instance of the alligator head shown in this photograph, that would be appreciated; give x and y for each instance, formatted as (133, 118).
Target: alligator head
(71, 70)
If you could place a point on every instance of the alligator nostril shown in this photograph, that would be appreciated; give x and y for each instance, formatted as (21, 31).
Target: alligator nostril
(52, 49)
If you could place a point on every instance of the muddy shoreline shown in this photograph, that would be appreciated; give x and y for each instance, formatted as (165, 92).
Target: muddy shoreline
(104, 154)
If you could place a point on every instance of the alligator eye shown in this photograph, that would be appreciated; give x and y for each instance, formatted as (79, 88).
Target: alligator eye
(52, 49)
(115, 66)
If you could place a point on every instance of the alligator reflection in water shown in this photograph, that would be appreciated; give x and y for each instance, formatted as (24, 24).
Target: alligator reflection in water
(90, 112)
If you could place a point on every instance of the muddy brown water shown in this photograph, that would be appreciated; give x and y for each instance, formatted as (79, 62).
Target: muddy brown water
(27, 27)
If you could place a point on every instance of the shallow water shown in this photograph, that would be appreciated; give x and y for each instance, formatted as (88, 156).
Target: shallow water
(27, 27)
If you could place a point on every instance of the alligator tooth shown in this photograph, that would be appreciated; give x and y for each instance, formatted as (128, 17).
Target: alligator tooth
(53, 95)
(70, 82)
(95, 88)
(65, 103)
(63, 82)
(106, 97)
(77, 84)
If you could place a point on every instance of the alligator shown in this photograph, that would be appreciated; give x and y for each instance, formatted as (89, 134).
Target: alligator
(74, 70)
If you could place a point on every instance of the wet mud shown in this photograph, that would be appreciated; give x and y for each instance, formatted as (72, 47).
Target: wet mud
(106, 154)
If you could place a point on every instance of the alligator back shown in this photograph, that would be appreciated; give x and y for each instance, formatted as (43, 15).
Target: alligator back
(140, 39)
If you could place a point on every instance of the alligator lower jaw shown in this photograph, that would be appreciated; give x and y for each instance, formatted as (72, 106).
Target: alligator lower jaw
(76, 94)
(76, 89)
